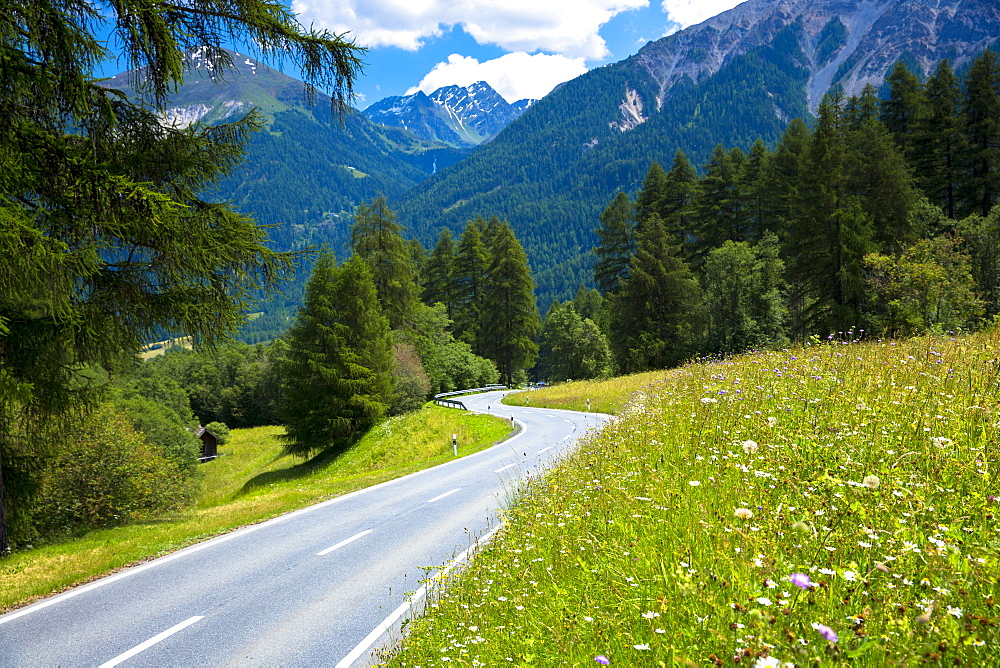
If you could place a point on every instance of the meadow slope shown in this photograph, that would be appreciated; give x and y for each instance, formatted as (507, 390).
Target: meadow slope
(830, 504)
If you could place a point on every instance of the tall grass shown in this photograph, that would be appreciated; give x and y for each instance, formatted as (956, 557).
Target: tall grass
(252, 481)
(605, 395)
(831, 504)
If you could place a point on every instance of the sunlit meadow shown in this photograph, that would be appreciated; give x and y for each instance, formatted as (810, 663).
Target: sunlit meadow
(831, 504)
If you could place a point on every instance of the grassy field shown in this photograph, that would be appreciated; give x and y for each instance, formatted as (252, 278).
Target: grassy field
(609, 395)
(830, 505)
(252, 481)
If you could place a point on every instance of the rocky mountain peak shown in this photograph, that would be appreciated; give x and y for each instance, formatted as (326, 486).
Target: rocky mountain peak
(849, 43)
(457, 115)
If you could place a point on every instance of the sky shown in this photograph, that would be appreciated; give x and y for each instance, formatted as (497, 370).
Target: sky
(522, 48)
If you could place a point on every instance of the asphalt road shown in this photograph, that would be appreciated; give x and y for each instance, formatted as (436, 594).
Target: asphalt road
(320, 586)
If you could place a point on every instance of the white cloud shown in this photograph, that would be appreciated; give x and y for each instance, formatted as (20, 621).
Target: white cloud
(515, 75)
(568, 27)
(691, 12)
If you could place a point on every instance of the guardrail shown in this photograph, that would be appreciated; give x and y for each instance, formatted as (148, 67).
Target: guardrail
(443, 400)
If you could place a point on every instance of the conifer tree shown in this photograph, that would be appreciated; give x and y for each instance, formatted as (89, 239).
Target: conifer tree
(617, 243)
(782, 178)
(939, 144)
(337, 375)
(718, 203)
(981, 125)
(900, 111)
(753, 191)
(652, 197)
(656, 316)
(508, 319)
(833, 233)
(376, 237)
(105, 238)
(682, 184)
(438, 274)
(469, 274)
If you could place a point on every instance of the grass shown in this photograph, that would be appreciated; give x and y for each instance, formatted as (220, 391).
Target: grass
(607, 395)
(252, 481)
(826, 505)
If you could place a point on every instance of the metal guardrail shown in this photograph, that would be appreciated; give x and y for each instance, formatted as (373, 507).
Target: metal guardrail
(450, 403)
(443, 400)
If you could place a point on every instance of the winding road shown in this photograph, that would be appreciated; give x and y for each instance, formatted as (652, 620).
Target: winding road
(325, 585)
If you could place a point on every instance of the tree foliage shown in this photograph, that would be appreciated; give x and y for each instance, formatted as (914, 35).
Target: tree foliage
(105, 239)
(337, 377)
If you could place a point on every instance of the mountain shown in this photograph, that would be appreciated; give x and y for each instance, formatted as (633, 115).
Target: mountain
(456, 115)
(308, 169)
(736, 77)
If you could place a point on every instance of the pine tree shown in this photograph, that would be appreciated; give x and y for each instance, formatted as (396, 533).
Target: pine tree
(981, 126)
(376, 238)
(508, 319)
(753, 191)
(682, 184)
(718, 203)
(833, 233)
(617, 243)
(657, 315)
(337, 376)
(104, 236)
(783, 178)
(471, 265)
(900, 111)
(652, 197)
(939, 144)
(439, 283)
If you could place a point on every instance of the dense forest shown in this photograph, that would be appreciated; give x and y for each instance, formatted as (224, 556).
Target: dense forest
(880, 218)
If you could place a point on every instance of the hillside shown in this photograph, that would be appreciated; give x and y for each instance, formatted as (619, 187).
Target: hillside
(736, 77)
(829, 505)
(308, 169)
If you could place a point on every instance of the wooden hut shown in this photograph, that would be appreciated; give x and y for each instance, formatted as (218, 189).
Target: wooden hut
(209, 445)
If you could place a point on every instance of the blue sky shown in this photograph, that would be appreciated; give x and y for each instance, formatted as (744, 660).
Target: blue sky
(523, 48)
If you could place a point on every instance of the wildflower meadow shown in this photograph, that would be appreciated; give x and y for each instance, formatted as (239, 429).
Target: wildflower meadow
(832, 504)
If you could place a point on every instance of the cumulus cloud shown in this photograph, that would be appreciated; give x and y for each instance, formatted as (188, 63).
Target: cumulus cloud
(691, 12)
(515, 75)
(568, 27)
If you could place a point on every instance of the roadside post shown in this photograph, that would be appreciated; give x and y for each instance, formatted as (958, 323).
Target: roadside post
(454, 444)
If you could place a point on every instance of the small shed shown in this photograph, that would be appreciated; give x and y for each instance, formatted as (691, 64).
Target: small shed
(209, 444)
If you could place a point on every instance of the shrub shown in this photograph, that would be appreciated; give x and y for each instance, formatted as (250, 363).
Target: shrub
(104, 472)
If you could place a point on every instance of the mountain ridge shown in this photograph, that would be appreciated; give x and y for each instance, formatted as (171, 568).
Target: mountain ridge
(461, 116)
(730, 80)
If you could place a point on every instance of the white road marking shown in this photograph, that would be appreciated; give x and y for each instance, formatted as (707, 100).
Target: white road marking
(152, 641)
(544, 449)
(504, 468)
(377, 632)
(438, 498)
(343, 543)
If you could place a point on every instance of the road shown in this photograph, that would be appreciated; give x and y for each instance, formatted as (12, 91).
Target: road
(319, 586)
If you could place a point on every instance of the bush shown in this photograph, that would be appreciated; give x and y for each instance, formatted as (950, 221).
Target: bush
(220, 430)
(413, 386)
(105, 473)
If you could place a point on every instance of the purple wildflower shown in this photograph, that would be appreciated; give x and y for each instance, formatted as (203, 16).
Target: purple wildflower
(825, 631)
(601, 659)
(801, 580)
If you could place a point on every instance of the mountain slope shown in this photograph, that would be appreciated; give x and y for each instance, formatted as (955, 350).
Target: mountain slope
(734, 78)
(308, 170)
(456, 115)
